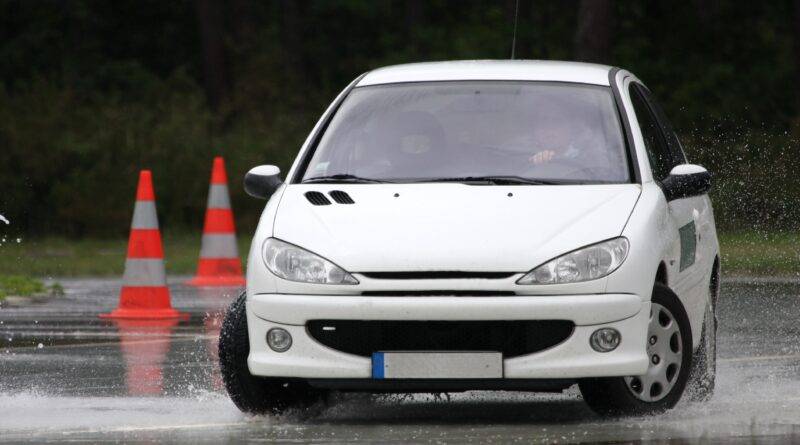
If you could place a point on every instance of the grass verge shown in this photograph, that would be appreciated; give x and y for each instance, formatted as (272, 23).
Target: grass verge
(22, 286)
(63, 257)
(760, 253)
(743, 253)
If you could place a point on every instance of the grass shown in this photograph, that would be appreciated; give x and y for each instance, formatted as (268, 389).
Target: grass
(24, 286)
(760, 253)
(19, 285)
(743, 253)
(62, 257)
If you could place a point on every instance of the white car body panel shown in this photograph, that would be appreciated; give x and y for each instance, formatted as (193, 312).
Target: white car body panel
(452, 227)
(583, 310)
(489, 70)
(623, 80)
(573, 358)
(459, 227)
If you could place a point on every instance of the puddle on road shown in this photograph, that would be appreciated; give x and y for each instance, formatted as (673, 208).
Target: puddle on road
(155, 378)
(22, 412)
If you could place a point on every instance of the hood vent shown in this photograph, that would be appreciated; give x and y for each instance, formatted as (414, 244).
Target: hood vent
(341, 197)
(317, 198)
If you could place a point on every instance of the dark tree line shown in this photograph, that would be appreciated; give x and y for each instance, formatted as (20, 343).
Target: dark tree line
(92, 90)
(593, 31)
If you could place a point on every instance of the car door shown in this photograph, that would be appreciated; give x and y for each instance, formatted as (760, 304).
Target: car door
(702, 212)
(683, 213)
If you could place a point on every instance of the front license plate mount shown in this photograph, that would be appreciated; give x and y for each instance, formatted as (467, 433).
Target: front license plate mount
(437, 365)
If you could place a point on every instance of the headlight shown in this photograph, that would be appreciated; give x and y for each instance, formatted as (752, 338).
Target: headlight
(295, 264)
(587, 263)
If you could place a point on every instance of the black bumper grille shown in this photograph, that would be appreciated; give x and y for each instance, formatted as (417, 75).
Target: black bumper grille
(512, 338)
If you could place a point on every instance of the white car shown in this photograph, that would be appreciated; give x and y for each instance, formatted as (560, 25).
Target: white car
(481, 225)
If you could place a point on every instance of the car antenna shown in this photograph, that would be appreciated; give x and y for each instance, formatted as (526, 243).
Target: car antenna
(514, 38)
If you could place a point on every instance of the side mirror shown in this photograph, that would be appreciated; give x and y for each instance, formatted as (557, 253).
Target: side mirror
(686, 180)
(262, 181)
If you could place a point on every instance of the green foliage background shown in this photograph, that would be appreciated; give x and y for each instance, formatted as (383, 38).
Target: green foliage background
(92, 91)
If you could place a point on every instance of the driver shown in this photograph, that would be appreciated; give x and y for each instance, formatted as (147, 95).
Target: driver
(556, 139)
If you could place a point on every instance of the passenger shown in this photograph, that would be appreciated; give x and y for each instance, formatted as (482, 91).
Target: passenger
(412, 144)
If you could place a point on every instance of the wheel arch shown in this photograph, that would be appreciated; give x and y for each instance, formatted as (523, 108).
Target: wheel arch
(661, 274)
(714, 282)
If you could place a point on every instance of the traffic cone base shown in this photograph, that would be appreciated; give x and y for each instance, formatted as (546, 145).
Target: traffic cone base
(218, 272)
(219, 263)
(144, 302)
(145, 314)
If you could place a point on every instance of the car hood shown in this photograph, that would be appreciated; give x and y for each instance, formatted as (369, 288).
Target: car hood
(451, 226)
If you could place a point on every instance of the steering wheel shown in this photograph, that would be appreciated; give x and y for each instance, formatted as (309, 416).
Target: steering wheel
(565, 165)
(505, 153)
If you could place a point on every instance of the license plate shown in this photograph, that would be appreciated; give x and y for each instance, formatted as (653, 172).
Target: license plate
(437, 365)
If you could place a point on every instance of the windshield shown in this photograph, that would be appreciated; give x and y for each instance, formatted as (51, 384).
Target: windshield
(438, 131)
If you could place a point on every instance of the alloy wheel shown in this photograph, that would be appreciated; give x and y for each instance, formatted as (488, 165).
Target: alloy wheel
(665, 354)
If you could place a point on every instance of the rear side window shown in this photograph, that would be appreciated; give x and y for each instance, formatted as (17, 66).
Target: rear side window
(660, 156)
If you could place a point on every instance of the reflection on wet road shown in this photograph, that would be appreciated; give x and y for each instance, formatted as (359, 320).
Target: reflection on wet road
(66, 374)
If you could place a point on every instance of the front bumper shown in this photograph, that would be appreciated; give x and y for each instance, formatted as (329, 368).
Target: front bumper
(573, 358)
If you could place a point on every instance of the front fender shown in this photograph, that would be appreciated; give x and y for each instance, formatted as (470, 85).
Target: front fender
(259, 279)
(648, 232)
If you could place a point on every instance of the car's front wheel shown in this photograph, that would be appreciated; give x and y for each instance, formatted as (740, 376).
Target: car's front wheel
(254, 394)
(669, 351)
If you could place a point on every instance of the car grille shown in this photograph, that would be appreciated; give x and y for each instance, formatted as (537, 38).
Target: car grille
(512, 338)
(439, 293)
(437, 275)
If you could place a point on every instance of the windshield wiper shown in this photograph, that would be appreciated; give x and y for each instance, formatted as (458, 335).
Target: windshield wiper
(342, 178)
(497, 180)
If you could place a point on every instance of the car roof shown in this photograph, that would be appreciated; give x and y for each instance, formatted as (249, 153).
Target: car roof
(531, 70)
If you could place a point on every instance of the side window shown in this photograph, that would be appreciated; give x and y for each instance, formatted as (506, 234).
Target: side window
(669, 133)
(658, 153)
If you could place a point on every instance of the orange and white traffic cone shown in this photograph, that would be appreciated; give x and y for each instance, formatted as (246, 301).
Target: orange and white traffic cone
(219, 263)
(144, 293)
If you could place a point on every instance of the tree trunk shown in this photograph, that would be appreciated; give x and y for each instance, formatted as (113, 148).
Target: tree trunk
(243, 32)
(593, 32)
(707, 13)
(796, 33)
(242, 20)
(292, 35)
(412, 20)
(209, 19)
(527, 26)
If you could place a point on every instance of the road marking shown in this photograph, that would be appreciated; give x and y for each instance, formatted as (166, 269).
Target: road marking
(133, 429)
(143, 340)
(759, 358)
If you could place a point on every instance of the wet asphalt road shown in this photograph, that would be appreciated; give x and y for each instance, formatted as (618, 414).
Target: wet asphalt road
(67, 375)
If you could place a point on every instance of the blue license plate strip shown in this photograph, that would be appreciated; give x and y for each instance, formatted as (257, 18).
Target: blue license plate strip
(377, 365)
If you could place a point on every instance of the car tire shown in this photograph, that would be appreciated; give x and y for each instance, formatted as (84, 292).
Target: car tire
(704, 363)
(254, 394)
(668, 373)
